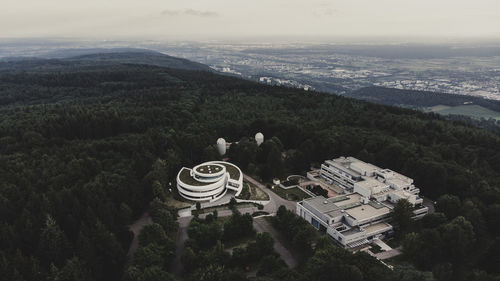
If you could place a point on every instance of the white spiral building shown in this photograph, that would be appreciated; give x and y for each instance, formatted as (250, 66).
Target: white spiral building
(209, 181)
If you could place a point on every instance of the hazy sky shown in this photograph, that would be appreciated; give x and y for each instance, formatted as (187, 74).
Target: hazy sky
(157, 19)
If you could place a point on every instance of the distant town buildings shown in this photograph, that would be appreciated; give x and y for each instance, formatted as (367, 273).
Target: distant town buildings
(209, 181)
(331, 70)
(364, 212)
(285, 82)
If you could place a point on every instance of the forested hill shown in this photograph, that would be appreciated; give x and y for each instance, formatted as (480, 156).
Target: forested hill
(102, 58)
(85, 149)
(419, 99)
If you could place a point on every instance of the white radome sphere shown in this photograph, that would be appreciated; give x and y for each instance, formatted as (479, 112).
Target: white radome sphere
(221, 146)
(259, 138)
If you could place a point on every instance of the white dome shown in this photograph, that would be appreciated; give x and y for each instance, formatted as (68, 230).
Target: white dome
(259, 138)
(221, 146)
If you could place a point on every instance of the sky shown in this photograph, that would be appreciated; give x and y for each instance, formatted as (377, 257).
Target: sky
(205, 19)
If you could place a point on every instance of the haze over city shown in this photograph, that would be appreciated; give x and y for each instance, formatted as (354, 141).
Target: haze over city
(215, 19)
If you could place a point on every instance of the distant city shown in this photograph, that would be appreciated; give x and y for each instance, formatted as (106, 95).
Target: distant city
(456, 69)
(330, 68)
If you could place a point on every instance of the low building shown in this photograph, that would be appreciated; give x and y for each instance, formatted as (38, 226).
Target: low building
(354, 175)
(209, 181)
(364, 212)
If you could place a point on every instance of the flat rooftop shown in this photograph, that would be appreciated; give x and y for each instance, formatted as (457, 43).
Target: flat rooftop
(350, 199)
(394, 176)
(185, 177)
(347, 204)
(322, 204)
(398, 182)
(351, 231)
(371, 184)
(366, 211)
(234, 173)
(343, 166)
(360, 165)
(368, 229)
(377, 227)
(209, 169)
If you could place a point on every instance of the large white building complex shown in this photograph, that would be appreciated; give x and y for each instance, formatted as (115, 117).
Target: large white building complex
(363, 213)
(209, 181)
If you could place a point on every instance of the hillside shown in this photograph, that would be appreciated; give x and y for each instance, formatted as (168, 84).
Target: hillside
(104, 57)
(85, 148)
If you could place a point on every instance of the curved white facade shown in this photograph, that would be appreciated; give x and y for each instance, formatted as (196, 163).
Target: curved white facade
(209, 181)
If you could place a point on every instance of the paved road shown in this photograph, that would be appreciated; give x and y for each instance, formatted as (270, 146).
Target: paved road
(272, 207)
(429, 204)
(262, 225)
(182, 236)
(275, 200)
(136, 227)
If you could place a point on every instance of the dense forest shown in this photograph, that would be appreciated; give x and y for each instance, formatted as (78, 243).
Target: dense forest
(93, 57)
(85, 149)
(424, 99)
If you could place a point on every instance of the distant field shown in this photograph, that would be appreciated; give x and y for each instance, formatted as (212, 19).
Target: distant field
(475, 111)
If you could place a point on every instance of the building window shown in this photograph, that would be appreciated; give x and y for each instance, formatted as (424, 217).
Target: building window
(315, 223)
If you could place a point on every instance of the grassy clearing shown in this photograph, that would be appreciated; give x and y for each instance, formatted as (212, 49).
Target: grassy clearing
(252, 192)
(292, 194)
(178, 204)
(472, 110)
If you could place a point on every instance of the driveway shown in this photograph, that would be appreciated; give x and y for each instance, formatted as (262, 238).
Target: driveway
(136, 227)
(275, 200)
(429, 204)
(182, 236)
(262, 225)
